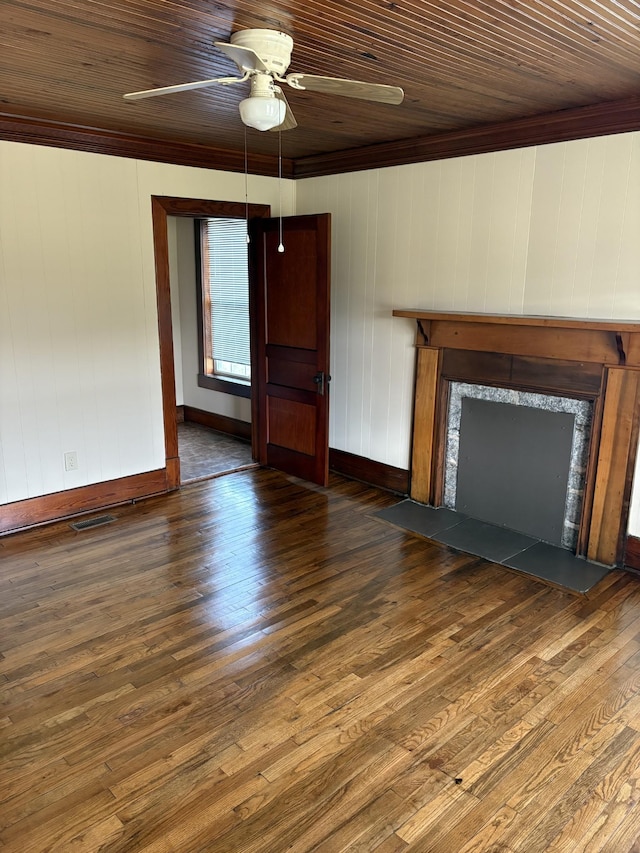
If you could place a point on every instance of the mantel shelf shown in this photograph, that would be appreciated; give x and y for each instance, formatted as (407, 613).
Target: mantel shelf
(521, 320)
(611, 342)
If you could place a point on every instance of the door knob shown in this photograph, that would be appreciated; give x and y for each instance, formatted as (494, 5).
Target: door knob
(320, 379)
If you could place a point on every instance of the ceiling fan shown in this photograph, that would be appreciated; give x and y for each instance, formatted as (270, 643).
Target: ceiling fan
(263, 57)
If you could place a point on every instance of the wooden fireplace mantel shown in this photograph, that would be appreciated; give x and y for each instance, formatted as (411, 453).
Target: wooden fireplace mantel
(597, 360)
(597, 341)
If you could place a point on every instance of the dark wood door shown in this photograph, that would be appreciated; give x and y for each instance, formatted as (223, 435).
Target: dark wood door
(290, 403)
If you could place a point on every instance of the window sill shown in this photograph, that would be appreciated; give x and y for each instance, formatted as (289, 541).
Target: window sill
(226, 386)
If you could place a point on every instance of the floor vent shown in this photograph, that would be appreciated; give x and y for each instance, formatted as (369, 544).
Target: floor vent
(93, 522)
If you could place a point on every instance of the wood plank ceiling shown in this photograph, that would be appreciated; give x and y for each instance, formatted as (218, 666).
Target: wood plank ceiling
(478, 74)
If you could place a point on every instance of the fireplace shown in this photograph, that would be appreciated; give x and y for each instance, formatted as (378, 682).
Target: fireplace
(585, 370)
(517, 459)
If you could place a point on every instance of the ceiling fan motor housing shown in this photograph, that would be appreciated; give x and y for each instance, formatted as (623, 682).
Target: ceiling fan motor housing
(273, 47)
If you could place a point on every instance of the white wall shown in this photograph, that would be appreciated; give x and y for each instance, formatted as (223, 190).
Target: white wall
(548, 230)
(79, 355)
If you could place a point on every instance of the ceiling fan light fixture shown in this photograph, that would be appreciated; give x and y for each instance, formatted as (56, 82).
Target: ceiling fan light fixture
(262, 113)
(263, 57)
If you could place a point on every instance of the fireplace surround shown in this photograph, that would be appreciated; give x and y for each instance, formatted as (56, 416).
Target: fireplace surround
(537, 475)
(589, 360)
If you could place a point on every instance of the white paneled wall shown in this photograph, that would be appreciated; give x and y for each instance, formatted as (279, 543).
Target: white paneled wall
(550, 230)
(79, 355)
(585, 221)
(75, 321)
(447, 235)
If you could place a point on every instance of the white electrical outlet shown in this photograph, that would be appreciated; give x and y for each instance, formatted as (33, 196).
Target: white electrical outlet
(71, 461)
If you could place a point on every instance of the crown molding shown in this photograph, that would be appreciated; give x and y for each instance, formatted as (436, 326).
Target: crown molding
(14, 128)
(603, 119)
(561, 126)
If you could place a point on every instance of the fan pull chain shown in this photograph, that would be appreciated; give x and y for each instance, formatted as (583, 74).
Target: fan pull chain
(246, 184)
(281, 244)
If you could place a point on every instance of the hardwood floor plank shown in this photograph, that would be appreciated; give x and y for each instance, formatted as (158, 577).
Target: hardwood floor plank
(253, 663)
(443, 811)
(369, 828)
(346, 804)
(73, 816)
(626, 836)
(488, 836)
(538, 826)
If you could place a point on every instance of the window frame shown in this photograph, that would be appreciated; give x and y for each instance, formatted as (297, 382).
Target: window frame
(226, 385)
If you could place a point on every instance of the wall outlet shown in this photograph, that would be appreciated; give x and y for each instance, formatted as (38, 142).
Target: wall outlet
(71, 461)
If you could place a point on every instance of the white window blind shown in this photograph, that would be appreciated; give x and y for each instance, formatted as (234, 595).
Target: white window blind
(227, 280)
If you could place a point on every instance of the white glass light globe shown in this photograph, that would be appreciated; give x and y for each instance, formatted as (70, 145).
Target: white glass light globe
(262, 113)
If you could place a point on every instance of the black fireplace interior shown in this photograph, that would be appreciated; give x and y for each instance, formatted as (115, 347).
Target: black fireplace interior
(513, 467)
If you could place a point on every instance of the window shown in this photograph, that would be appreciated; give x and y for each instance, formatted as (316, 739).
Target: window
(224, 298)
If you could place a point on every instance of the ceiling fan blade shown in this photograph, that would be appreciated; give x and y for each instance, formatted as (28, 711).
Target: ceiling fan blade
(244, 57)
(289, 120)
(183, 87)
(347, 88)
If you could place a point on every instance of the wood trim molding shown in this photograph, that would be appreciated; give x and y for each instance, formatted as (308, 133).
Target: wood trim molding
(562, 126)
(423, 459)
(614, 342)
(161, 207)
(369, 471)
(27, 513)
(614, 470)
(575, 379)
(533, 320)
(34, 131)
(159, 211)
(611, 117)
(632, 555)
(224, 386)
(537, 354)
(220, 423)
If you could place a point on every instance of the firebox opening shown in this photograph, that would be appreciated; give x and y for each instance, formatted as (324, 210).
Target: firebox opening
(518, 460)
(513, 467)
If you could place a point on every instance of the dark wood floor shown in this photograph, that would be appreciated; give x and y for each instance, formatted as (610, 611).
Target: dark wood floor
(253, 664)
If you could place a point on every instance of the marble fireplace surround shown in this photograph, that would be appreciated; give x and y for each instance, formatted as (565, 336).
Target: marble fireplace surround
(580, 410)
(592, 360)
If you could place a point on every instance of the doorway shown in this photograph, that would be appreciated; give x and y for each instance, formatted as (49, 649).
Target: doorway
(209, 311)
(189, 209)
(300, 391)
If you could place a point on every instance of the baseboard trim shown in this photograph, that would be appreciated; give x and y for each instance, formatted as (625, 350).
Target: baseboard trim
(33, 511)
(368, 471)
(221, 423)
(632, 553)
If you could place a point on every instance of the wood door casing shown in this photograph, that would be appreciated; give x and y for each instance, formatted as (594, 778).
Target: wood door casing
(292, 291)
(191, 208)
